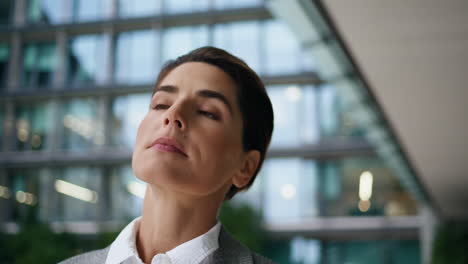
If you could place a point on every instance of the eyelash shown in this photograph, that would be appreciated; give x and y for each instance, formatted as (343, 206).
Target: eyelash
(205, 113)
(160, 106)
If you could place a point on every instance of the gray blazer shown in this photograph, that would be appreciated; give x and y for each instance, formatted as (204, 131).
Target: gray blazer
(230, 251)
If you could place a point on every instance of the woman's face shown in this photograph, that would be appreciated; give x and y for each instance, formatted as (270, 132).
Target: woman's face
(190, 140)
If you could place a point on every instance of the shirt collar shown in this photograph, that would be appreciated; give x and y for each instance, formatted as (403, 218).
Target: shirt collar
(195, 250)
(192, 251)
(124, 246)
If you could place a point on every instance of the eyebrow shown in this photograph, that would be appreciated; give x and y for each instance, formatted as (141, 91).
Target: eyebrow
(201, 93)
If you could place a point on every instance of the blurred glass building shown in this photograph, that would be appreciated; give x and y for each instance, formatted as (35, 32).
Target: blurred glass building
(76, 78)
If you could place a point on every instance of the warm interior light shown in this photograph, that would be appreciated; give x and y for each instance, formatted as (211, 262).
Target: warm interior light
(20, 196)
(36, 141)
(365, 186)
(76, 191)
(4, 192)
(364, 205)
(293, 93)
(288, 191)
(136, 188)
(26, 198)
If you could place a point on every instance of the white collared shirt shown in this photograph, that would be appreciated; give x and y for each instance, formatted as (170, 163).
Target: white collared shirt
(191, 252)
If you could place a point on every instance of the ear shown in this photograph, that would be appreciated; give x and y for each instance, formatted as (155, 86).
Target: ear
(248, 167)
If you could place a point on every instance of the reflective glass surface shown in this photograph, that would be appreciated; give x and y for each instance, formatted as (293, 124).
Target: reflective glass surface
(6, 12)
(291, 197)
(137, 57)
(126, 194)
(227, 4)
(5, 197)
(185, 6)
(180, 40)
(90, 10)
(4, 56)
(87, 60)
(39, 63)
(313, 251)
(82, 125)
(45, 11)
(334, 121)
(295, 114)
(282, 50)
(78, 194)
(309, 114)
(127, 113)
(2, 120)
(233, 38)
(132, 8)
(33, 126)
(23, 193)
(331, 188)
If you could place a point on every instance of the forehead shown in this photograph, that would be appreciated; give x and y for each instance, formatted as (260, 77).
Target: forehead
(201, 76)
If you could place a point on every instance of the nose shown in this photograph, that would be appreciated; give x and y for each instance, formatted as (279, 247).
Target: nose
(174, 118)
(176, 122)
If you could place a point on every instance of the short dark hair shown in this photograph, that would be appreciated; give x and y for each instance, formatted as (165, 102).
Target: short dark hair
(253, 100)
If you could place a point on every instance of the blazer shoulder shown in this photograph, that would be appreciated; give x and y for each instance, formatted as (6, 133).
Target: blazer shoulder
(232, 250)
(259, 259)
(92, 257)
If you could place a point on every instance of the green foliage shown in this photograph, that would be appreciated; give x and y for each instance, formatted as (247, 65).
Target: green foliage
(244, 223)
(37, 243)
(104, 239)
(451, 244)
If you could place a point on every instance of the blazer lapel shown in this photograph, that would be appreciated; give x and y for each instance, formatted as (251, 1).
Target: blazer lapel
(230, 251)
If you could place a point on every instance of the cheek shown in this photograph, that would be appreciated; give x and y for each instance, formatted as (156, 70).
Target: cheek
(224, 148)
(140, 130)
(144, 130)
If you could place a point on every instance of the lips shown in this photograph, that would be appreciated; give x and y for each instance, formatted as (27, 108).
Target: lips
(168, 145)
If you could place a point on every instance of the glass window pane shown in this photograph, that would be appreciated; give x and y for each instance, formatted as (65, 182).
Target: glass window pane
(241, 39)
(90, 10)
(6, 11)
(79, 194)
(341, 184)
(2, 120)
(24, 193)
(282, 50)
(179, 40)
(33, 125)
(127, 113)
(295, 115)
(132, 8)
(334, 120)
(126, 194)
(4, 57)
(226, 4)
(292, 197)
(87, 60)
(82, 126)
(45, 11)
(312, 251)
(136, 57)
(6, 193)
(185, 6)
(39, 63)
(331, 189)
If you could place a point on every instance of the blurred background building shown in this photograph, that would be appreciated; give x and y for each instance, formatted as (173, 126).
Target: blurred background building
(340, 183)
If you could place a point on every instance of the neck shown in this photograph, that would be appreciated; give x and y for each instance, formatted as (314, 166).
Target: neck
(169, 220)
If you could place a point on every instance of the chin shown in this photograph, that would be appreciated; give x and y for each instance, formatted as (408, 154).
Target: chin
(158, 172)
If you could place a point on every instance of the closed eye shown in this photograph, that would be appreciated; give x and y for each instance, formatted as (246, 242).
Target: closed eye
(209, 115)
(161, 106)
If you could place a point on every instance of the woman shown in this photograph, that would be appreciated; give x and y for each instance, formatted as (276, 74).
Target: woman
(203, 140)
